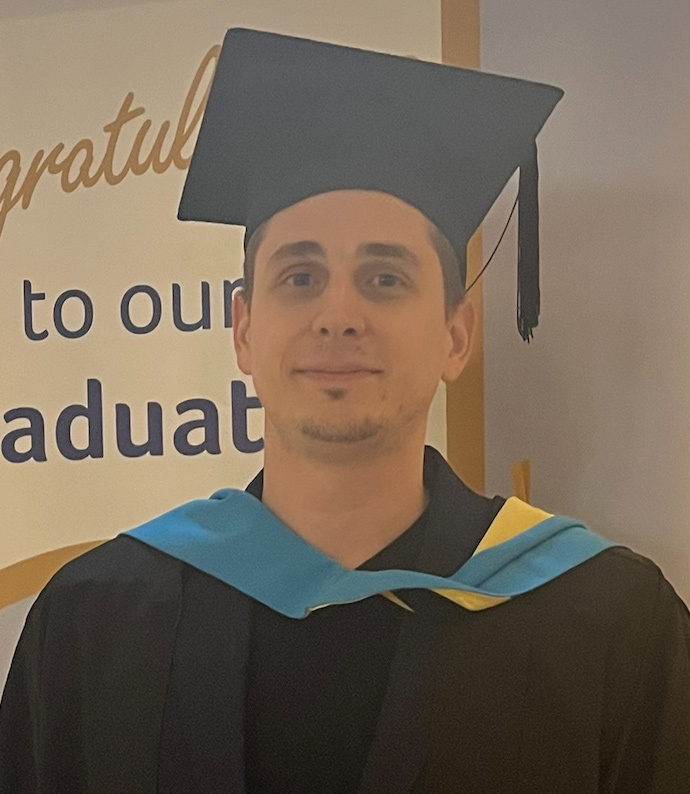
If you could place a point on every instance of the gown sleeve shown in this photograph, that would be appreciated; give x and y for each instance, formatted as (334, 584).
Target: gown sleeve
(44, 715)
(20, 719)
(84, 699)
(654, 749)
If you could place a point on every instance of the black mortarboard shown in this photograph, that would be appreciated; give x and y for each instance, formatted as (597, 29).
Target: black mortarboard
(290, 118)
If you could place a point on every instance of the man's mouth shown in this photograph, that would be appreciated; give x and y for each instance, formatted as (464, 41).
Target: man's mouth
(337, 374)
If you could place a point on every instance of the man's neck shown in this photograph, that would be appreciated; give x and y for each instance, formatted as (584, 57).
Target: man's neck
(348, 511)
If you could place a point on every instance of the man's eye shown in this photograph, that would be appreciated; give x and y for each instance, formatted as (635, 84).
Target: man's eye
(300, 280)
(387, 280)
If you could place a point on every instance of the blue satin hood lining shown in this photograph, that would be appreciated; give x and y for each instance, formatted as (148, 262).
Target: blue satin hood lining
(234, 538)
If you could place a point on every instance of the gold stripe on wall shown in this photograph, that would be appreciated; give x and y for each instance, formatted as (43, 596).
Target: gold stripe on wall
(460, 46)
(28, 577)
(521, 473)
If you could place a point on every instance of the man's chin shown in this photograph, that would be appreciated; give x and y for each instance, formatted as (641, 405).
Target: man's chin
(341, 433)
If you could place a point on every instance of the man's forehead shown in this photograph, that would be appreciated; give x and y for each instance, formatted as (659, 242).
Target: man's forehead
(355, 215)
(357, 222)
(345, 202)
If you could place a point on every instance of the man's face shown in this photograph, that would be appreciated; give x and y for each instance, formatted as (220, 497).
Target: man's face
(347, 337)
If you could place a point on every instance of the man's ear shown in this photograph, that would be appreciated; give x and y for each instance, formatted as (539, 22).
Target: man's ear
(461, 328)
(240, 331)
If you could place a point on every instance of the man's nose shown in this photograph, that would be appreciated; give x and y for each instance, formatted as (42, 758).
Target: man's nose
(340, 313)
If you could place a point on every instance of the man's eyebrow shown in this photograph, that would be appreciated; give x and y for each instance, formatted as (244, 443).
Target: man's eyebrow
(388, 251)
(299, 248)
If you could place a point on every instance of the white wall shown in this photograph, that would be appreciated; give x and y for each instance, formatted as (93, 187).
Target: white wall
(600, 401)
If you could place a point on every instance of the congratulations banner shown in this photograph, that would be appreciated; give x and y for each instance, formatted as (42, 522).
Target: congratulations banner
(120, 396)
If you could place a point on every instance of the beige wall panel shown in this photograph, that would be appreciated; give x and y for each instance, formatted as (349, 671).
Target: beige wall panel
(600, 402)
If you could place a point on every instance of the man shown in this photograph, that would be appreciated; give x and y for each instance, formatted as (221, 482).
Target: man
(358, 620)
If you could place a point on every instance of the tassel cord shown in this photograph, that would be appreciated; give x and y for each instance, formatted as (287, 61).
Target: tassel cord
(497, 246)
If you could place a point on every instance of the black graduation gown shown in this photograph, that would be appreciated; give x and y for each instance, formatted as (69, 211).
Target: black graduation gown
(315, 687)
(580, 686)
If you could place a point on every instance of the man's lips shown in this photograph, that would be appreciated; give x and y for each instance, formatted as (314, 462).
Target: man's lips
(337, 374)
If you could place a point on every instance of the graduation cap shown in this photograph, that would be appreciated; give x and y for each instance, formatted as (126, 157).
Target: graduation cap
(288, 118)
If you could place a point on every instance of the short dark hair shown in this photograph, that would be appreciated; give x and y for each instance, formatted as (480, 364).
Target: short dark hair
(453, 286)
(250, 260)
(453, 282)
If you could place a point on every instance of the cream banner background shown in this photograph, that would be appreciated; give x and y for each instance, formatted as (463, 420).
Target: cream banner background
(66, 76)
(69, 76)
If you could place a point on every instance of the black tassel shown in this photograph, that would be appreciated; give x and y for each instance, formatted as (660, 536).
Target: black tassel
(528, 297)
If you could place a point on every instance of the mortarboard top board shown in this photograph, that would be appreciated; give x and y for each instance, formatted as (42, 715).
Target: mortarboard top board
(288, 118)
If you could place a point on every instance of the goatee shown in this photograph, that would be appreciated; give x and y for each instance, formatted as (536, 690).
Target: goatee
(349, 433)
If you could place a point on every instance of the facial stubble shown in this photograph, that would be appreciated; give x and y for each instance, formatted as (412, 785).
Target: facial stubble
(343, 433)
